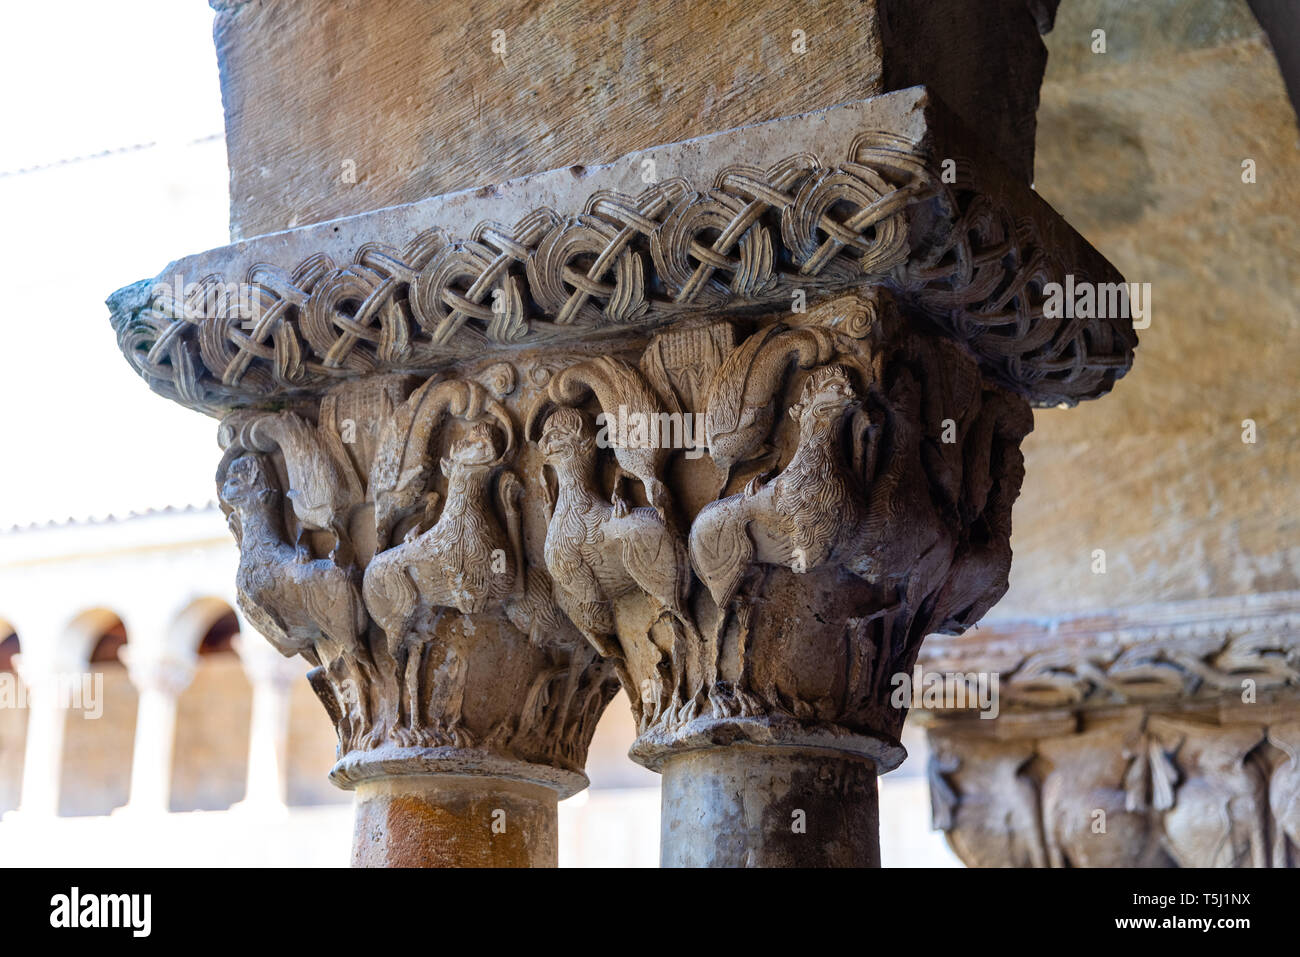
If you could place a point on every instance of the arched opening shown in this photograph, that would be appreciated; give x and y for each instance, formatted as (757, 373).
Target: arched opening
(13, 720)
(99, 734)
(210, 760)
(9, 647)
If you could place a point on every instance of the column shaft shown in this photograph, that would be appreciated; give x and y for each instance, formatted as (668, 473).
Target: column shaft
(454, 821)
(744, 806)
(43, 758)
(151, 762)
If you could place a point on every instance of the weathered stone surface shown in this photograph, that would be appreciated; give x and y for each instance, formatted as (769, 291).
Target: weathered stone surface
(890, 191)
(1156, 737)
(736, 419)
(336, 108)
(769, 807)
(1142, 149)
(450, 821)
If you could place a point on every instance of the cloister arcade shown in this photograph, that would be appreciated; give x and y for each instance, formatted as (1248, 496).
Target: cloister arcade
(128, 683)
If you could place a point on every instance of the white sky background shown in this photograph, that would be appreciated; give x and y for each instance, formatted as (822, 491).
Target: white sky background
(82, 435)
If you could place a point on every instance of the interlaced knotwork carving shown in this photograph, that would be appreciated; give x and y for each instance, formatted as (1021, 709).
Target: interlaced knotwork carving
(1162, 667)
(752, 237)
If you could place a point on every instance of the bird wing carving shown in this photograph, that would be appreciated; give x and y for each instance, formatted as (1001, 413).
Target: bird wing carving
(270, 625)
(399, 474)
(721, 550)
(321, 489)
(749, 379)
(335, 606)
(657, 563)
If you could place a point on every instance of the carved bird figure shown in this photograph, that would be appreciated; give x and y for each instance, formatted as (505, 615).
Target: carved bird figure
(300, 603)
(323, 486)
(739, 408)
(621, 391)
(800, 518)
(596, 552)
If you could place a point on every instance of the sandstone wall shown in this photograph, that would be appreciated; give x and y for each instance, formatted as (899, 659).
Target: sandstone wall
(1141, 150)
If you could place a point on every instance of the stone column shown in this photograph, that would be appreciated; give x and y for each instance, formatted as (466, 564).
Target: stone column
(160, 682)
(43, 757)
(769, 807)
(272, 676)
(733, 421)
(1166, 736)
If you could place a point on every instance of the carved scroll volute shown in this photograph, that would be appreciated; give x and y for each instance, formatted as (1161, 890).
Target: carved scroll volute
(438, 633)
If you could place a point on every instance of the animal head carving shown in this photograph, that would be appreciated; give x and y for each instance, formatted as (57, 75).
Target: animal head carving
(476, 450)
(826, 396)
(566, 436)
(248, 483)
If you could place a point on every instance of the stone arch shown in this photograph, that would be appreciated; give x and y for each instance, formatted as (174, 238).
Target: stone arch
(83, 633)
(99, 729)
(191, 626)
(213, 714)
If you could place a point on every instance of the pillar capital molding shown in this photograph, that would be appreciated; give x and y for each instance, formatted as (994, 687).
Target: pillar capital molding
(889, 190)
(1167, 735)
(1205, 650)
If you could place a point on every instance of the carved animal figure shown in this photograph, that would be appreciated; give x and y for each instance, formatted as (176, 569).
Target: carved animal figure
(621, 390)
(399, 474)
(1218, 812)
(802, 517)
(461, 562)
(739, 409)
(596, 552)
(1091, 773)
(992, 468)
(986, 804)
(323, 487)
(1284, 795)
(302, 605)
(902, 541)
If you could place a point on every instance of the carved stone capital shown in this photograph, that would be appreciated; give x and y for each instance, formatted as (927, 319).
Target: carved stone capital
(381, 537)
(856, 496)
(1157, 737)
(735, 419)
